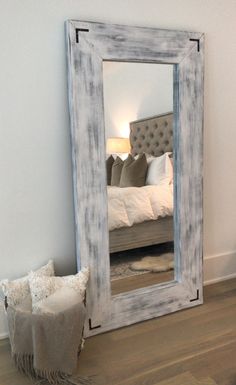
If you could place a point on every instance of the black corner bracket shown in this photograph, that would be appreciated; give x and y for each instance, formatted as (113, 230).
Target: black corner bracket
(5, 303)
(197, 297)
(198, 43)
(93, 327)
(77, 30)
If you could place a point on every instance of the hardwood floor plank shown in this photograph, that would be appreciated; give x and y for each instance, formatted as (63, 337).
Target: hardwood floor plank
(207, 381)
(200, 341)
(181, 379)
(186, 379)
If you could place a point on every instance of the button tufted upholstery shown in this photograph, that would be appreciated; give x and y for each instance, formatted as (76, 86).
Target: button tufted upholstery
(152, 135)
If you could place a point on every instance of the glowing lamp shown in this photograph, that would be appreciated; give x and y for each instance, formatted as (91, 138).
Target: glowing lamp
(118, 145)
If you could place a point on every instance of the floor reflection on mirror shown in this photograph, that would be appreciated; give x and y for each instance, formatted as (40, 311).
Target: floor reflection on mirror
(137, 268)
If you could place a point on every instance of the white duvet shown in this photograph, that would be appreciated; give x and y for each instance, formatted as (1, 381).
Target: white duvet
(130, 205)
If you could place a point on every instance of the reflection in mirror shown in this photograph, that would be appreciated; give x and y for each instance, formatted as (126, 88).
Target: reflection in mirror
(138, 106)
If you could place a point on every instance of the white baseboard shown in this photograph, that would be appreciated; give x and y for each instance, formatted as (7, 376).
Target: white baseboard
(219, 267)
(219, 279)
(216, 268)
(3, 336)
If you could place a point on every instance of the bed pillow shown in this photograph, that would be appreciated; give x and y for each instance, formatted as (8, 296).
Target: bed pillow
(109, 163)
(16, 291)
(149, 157)
(134, 171)
(43, 287)
(172, 164)
(116, 171)
(122, 155)
(160, 171)
(63, 299)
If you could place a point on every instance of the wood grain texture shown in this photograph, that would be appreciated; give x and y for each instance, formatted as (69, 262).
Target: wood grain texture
(200, 341)
(89, 174)
(188, 159)
(133, 282)
(186, 379)
(142, 234)
(85, 55)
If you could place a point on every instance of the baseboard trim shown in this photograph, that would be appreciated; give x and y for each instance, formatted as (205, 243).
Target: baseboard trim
(4, 336)
(219, 279)
(219, 267)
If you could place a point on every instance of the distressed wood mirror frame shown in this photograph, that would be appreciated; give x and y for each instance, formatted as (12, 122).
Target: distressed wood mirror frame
(88, 45)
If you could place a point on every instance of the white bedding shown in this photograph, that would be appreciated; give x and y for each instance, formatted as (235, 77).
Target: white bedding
(130, 205)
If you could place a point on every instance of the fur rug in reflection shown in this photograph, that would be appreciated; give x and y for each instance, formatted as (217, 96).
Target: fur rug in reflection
(155, 264)
(121, 262)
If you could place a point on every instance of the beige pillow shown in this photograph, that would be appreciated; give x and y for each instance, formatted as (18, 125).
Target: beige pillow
(134, 172)
(60, 301)
(16, 291)
(109, 163)
(43, 287)
(116, 171)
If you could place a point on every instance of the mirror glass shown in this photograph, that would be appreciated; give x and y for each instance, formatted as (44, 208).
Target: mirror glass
(138, 108)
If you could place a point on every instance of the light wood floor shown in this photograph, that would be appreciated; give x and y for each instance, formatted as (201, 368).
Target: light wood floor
(199, 343)
(142, 280)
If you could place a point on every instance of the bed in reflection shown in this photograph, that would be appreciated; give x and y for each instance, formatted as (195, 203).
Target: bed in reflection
(147, 220)
(140, 212)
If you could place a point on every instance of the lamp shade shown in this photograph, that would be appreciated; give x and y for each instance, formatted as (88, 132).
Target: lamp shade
(118, 145)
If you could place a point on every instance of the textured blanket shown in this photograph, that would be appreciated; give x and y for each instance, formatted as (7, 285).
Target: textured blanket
(46, 346)
(130, 205)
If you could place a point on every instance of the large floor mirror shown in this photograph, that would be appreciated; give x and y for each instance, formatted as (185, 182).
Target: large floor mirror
(136, 108)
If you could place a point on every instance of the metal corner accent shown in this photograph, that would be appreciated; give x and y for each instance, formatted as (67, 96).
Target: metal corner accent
(77, 30)
(196, 298)
(198, 43)
(93, 327)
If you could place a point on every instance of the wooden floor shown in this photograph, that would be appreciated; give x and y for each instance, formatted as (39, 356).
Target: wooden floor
(195, 346)
(141, 280)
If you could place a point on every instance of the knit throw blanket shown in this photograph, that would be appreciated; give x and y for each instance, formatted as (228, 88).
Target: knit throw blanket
(46, 346)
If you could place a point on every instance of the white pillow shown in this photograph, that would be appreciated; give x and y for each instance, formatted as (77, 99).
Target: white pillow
(16, 291)
(122, 155)
(172, 164)
(149, 157)
(160, 170)
(43, 287)
(60, 301)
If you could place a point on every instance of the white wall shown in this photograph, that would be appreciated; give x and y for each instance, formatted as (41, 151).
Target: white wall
(135, 91)
(36, 211)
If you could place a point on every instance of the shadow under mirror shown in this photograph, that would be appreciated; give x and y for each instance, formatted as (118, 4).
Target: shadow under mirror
(138, 107)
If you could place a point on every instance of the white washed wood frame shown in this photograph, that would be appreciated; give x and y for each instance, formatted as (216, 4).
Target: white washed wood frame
(89, 44)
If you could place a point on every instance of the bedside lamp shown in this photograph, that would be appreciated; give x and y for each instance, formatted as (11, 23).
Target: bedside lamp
(118, 145)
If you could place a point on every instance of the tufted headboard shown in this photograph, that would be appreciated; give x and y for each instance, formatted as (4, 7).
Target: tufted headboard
(152, 135)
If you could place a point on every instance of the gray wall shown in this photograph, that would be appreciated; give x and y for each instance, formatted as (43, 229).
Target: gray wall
(36, 210)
